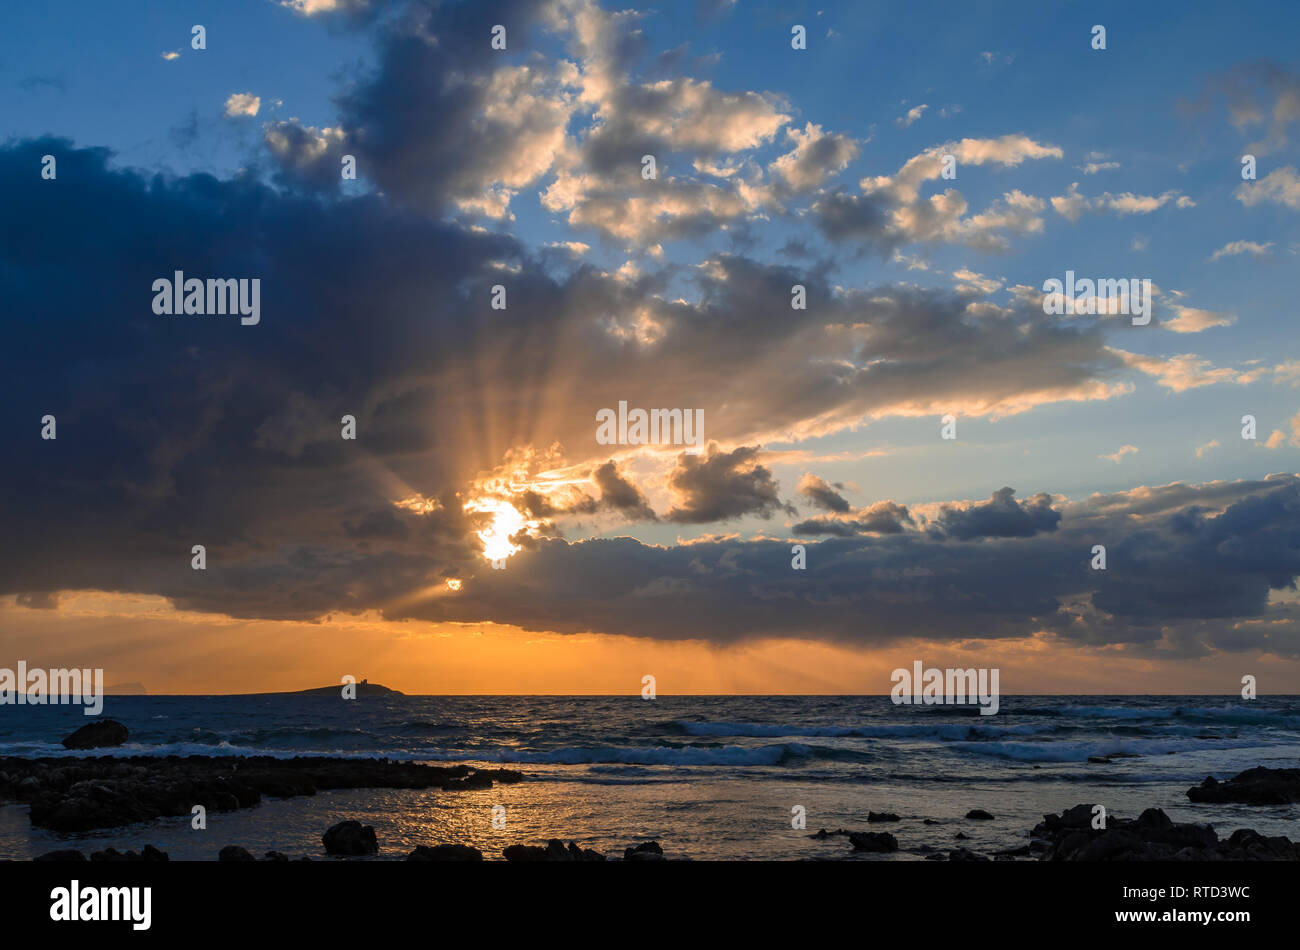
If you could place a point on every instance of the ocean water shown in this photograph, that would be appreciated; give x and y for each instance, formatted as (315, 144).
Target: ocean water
(708, 777)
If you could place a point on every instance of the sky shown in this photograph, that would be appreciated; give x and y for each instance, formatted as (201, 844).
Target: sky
(921, 171)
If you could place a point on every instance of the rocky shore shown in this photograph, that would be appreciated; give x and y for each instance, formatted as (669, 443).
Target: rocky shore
(1080, 834)
(85, 794)
(351, 838)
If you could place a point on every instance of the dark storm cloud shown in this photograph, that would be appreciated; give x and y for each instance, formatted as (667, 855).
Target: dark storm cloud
(822, 494)
(444, 117)
(884, 517)
(1166, 590)
(1000, 517)
(621, 494)
(183, 430)
(720, 486)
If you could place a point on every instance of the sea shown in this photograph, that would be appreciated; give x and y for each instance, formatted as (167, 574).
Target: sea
(708, 777)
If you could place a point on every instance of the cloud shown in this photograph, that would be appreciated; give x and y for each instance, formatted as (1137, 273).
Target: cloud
(1192, 320)
(1000, 517)
(822, 494)
(1201, 450)
(720, 486)
(242, 105)
(913, 114)
(621, 494)
(1123, 451)
(884, 517)
(1072, 205)
(890, 211)
(1258, 93)
(817, 156)
(1281, 186)
(1233, 248)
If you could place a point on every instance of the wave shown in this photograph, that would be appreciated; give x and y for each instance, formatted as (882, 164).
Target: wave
(1066, 751)
(901, 731)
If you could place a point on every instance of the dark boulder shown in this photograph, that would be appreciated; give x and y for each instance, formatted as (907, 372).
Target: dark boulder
(876, 816)
(64, 854)
(555, 850)
(1258, 786)
(93, 735)
(646, 851)
(1152, 836)
(876, 841)
(351, 838)
(978, 814)
(233, 852)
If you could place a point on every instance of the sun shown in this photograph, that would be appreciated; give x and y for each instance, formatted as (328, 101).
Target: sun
(506, 521)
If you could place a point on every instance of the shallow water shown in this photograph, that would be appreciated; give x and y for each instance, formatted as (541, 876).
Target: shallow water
(708, 777)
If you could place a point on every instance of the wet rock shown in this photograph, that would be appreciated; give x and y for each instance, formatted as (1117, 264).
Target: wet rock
(824, 834)
(978, 814)
(962, 854)
(554, 851)
(1152, 836)
(64, 854)
(646, 851)
(350, 838)
(93, 735)
(1258, 786)
(445, 852)
(84, 794)
(875, 841)
(233, 852)
(878, 816)
(961, 836)
(275, 856)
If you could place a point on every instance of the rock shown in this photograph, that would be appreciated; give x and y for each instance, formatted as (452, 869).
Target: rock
(64, 854)
(351, 838)
(1257, 786)
(823, 834)
(876, 841)
(979, 814)
(938, 856)
(647, 851)
(962, 836)
(275, 856)
(86, 793)
(961, 854)
(554, 851)
(233, 852)
(930, 821)
(1152, 836)
(878, 816)
(93, 735)
(1099, 760)
(445, 852)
